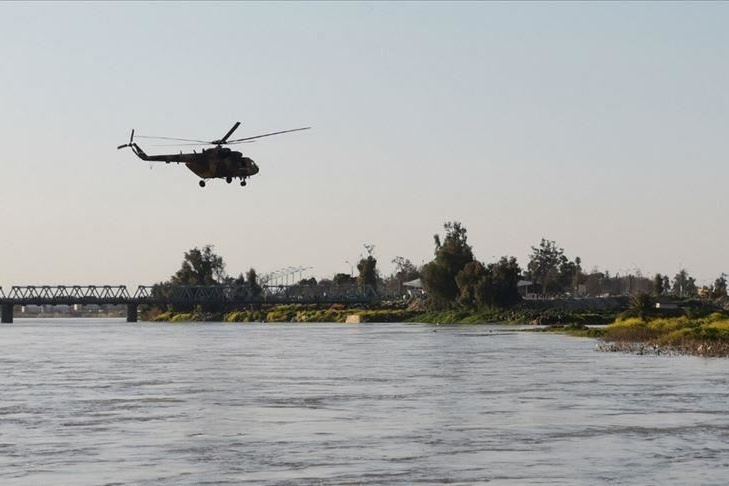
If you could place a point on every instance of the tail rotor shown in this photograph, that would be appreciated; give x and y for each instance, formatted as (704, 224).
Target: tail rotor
(131, 140)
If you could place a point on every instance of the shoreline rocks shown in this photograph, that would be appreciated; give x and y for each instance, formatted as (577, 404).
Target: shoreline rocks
(694, 348)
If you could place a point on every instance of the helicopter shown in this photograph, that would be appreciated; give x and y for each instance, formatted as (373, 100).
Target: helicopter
(217, 162)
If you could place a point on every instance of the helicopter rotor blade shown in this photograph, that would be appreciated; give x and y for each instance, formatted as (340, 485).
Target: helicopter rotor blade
(240, 140)
(174, 139)
(181, 144)
(222, 141)
(188, 144)
(230, 132)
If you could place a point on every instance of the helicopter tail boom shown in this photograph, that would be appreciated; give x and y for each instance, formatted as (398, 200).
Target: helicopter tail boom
(135, 148)
(139, 152)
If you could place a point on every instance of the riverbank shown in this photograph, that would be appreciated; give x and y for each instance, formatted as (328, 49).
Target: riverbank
(292, 313)
(697, 336)
(393, 313)
(706, 336)
(520, 315)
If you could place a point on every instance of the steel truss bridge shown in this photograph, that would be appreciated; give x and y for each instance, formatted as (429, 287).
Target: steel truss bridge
(221, 296)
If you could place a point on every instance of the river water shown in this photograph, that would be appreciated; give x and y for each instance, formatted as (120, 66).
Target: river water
(105, 402)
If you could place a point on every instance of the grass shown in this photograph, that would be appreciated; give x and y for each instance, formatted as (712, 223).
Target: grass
(291, 313)
(576, 330)
(390, 313)
(704, 336)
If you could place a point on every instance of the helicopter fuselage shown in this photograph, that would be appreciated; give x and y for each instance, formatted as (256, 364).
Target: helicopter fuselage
(217, 162)
(212, 163)
(220, 162)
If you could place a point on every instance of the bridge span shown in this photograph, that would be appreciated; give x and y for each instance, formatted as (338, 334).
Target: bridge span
(220, 296)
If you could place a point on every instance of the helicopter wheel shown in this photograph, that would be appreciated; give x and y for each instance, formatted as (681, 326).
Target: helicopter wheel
(202, 183)
(228, 179)
(243, 182)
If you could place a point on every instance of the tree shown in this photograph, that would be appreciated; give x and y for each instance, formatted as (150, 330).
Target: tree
(666, 284)
(658, 284)
(641, 305)
(200, 267)
(505, 276)
(492, 286)
(720, 287)
(405, 271)
(252, 279)
(473, 285)
(367, 268)
(684, 285)
(544, 265)
(578, 277)
(342, 279)
(451, 256)
(240, 280)
(439, 284)
(570, 274)
(595, 283)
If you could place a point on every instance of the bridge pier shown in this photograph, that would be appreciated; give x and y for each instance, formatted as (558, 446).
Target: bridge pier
(131, 312)
(6, 313)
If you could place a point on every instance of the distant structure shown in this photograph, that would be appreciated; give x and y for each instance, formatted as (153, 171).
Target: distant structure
(227, 296)
(414, 288)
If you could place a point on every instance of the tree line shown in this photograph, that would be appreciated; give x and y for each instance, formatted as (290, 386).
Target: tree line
(455, 278)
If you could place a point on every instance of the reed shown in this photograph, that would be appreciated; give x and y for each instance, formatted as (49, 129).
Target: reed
(702, 336)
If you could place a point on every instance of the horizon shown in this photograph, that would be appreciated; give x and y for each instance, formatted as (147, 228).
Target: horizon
(598, 126)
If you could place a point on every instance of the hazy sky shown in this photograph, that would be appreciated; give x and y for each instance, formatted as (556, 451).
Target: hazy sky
(602, 126)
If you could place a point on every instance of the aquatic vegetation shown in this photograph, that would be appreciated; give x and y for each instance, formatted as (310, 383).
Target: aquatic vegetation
(313, 313)
(576, 330)
(632, 330)
(244, 316)
(705, 336)
(183, 317)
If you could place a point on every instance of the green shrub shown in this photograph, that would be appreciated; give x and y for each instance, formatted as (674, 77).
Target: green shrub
(676, 337)
(721, 325)
(630, 330)
(667, 325)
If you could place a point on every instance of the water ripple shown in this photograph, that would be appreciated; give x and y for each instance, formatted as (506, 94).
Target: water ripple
(104, 402)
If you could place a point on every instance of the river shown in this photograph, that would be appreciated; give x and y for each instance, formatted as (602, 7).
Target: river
(92, 402)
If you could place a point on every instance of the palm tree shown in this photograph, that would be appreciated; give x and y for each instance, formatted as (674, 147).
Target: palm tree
(641, 305)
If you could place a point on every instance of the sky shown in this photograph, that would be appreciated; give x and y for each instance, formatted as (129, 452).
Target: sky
(601, 126)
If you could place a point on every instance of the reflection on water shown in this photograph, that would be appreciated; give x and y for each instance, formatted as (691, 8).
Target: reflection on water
(106, 402)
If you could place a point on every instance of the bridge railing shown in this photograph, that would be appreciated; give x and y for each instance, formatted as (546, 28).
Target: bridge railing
(63, 292)
(189, 294)
(194, 293)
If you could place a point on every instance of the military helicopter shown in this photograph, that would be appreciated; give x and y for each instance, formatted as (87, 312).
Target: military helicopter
(217, 162)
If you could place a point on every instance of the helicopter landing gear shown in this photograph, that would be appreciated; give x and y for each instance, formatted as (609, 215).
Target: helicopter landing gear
(228, 179)
(243, 182)
(202, 183)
